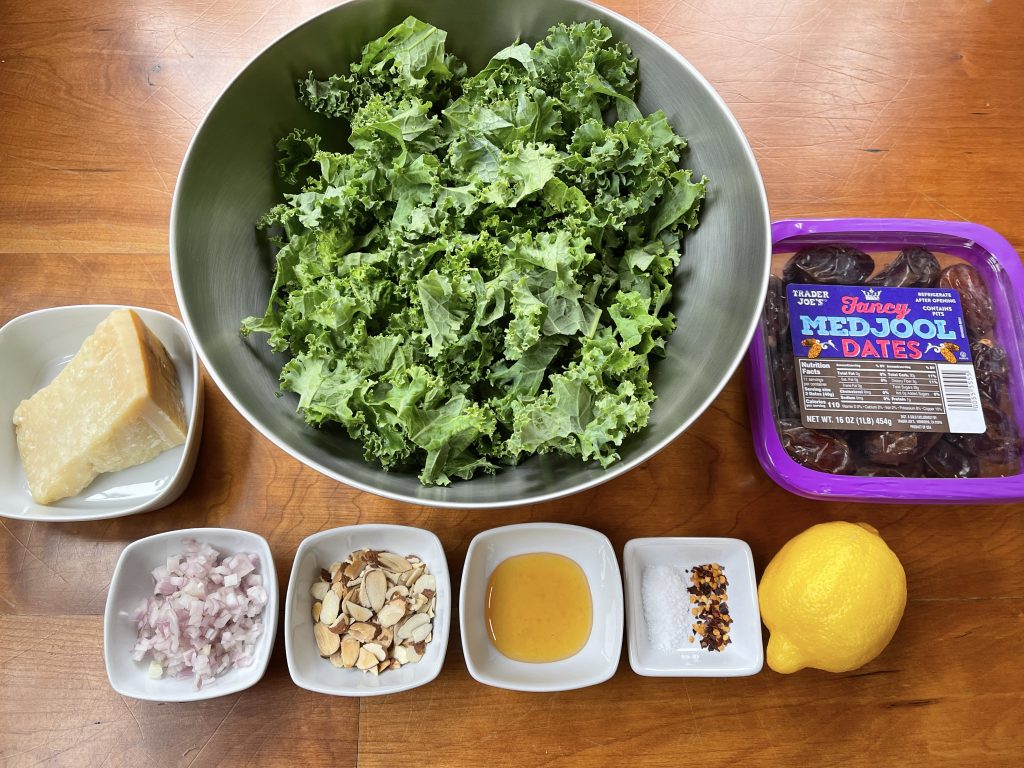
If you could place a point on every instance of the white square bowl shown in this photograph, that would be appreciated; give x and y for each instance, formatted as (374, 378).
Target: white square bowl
(133, 582)
(596, 661)
(307, 668)
(743, 656)
(34, 348)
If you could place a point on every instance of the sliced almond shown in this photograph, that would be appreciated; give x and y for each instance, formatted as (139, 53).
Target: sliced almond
(355, 566)
(319, 589)
(338, 659)
(349, 651)
(393, 562)
(376, 650)
(412, 654)
(391, 613)
(399, 589)
(426, 581)
(420, 633)
(374, 610)
(329, 608)
(410, 576)
(410, 625)
(362, 631)
(376, 586)
(366, 659)
(358, 612)
(326, 641)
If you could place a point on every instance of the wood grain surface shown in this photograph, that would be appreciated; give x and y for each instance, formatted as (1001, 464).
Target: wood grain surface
(895, 108)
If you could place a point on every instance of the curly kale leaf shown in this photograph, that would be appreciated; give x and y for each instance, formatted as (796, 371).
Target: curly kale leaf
(484, 276)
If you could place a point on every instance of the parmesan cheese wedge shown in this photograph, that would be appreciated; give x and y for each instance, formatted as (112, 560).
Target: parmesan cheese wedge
(117, 403)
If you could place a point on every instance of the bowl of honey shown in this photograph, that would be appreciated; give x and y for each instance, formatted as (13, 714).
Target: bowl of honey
(541, 607)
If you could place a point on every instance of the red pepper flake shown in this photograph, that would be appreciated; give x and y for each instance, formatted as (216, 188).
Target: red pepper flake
(710, 609)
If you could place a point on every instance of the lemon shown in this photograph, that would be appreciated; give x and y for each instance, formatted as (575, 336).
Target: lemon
(832, 598)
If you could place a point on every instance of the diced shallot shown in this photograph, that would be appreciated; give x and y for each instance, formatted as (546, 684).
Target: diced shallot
(204, 616)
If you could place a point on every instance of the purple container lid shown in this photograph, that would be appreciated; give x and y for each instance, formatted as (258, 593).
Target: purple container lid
(983, 248)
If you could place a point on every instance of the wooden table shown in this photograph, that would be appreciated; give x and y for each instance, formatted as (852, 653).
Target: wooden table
(884, 108)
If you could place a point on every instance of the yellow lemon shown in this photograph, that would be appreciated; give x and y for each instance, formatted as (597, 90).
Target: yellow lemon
(832, 598)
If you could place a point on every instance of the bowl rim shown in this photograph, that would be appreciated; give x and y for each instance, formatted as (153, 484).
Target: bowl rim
(441, 634)
(251, 675)
(607, 474)
(618, 605)
(177, 480)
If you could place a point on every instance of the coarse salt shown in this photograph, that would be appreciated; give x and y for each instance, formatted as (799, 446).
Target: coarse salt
(666, 607)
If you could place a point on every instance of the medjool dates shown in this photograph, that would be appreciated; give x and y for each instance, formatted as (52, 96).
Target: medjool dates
(991, 368)
(915, 267)
(828, 265)
(895, 448)
(946, 460)
(816, 450)
(1000, 442)
(787, 398)
(776, 316)
(974, 297)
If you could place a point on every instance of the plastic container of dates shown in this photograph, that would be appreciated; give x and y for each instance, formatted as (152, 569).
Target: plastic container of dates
(889, 366)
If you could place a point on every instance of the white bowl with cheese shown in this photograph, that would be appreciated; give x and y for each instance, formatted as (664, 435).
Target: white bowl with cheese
(34, 348)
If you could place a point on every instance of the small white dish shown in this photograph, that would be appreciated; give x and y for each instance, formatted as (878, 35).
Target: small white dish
(312, 672)
(745, 653)
(596, 661)
(132, 583)
(34, 348)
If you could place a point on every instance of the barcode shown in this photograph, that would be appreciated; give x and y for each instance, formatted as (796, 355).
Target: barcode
(958, 388)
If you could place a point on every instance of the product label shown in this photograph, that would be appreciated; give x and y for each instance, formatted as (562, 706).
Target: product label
(876, 358)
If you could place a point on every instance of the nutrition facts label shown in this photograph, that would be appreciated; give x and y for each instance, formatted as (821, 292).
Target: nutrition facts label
(889, 395)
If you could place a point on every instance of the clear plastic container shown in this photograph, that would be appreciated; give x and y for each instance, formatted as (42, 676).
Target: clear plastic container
(895, 378)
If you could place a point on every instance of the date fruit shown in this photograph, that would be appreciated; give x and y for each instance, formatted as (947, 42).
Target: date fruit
(776, 316)
(1000, 442)
(829, 265)
(991, 368)
(974, 297)
(895, 448)
(915, 267)
(947, 460)
(816, 450)
(787, 398)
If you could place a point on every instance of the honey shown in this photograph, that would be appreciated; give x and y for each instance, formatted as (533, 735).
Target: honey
(538, 607)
